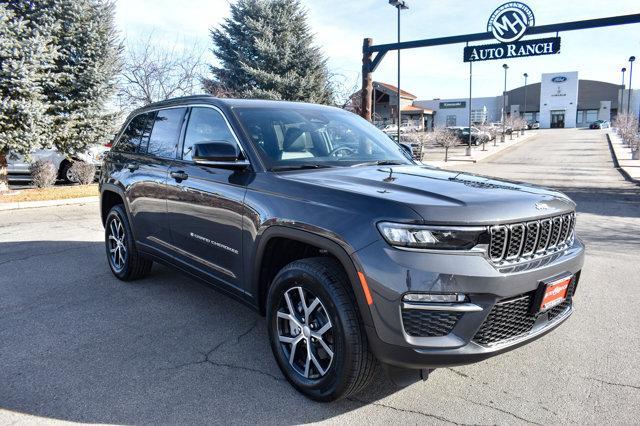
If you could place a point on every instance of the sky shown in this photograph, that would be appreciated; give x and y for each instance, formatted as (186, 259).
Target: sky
(432, 72)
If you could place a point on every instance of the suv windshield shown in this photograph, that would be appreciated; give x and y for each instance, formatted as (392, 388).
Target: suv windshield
(289, 138)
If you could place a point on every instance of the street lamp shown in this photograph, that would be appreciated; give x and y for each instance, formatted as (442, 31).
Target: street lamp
(504, 101)
(525, 98)
(620, 109)
(468, 150)
(631, 59)
(400, 5)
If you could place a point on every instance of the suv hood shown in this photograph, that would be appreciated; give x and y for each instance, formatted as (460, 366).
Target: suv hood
(440, 196)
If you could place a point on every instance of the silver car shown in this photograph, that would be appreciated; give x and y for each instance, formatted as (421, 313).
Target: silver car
(18, 165)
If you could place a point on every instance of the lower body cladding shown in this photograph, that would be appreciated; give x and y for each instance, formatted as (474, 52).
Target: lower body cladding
(492, 309)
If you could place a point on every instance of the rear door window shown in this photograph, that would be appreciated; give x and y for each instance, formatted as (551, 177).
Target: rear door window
(205, 125)
(165, 135)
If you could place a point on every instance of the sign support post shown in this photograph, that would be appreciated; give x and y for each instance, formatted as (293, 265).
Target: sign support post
(510, 46)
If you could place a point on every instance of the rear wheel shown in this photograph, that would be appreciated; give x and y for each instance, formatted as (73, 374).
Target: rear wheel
(315, 330)
(125, 261)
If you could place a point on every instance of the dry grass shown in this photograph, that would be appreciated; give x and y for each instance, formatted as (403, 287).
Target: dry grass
(52, 193)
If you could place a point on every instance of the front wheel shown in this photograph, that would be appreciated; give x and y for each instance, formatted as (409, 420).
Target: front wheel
(125, 261)
(315, 330)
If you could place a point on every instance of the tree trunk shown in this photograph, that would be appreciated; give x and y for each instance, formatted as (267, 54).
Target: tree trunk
(4, 184)
(446, 154)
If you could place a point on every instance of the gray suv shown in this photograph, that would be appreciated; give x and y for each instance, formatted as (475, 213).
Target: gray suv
(359, 257)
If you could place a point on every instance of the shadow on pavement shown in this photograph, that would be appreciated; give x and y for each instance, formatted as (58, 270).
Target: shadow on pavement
(79, 345)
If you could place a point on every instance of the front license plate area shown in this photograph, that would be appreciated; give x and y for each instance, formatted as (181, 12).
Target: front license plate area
(552, 293)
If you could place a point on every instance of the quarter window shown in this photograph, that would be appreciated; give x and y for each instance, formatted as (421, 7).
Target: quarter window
(205, 125)
(130, 139)
(166, 132)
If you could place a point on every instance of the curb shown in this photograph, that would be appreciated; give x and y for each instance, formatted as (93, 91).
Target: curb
(616, 162)
(500, 148)
(47, 203)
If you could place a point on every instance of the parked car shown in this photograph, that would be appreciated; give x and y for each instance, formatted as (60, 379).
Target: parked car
(391, 128)
(533, 125)
(507, 129)
(477, 136)
(410, 127)
(18, 165)
(358, 257)
(600, 124)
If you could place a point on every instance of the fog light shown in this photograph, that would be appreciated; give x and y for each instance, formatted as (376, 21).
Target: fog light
(435, 298)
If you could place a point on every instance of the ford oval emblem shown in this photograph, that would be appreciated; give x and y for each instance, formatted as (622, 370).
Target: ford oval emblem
(509, 22)
(559, 79)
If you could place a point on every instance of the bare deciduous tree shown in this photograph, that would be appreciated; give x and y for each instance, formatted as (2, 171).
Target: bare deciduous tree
(153, 73)
(627, 128)
(439, 136)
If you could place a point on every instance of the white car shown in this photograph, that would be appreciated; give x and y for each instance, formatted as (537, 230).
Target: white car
(18, 165)
(390, 128)
(409, 127)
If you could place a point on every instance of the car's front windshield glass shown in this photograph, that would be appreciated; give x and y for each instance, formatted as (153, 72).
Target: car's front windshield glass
(290, 137)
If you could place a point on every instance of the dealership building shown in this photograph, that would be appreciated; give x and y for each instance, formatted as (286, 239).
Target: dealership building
(560, 100)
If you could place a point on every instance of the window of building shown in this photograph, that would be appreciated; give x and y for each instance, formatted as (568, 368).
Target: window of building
(451, 120)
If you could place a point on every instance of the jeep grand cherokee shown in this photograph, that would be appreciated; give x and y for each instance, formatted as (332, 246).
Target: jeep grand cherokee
(359, 257)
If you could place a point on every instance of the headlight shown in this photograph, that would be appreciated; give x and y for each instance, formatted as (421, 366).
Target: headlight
(433, 237)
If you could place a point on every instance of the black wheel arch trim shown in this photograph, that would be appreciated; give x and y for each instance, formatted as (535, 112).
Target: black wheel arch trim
(332, 247)
(110, 187)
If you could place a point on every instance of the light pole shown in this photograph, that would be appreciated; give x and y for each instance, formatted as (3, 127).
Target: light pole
(504, 101)
(468, 151)
(620, 109)
(400, 5)
(525, 99)
(631, 59)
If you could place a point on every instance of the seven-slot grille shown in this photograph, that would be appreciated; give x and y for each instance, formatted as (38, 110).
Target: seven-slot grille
(526, 240)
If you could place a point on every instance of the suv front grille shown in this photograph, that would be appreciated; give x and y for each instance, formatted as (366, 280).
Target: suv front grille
(512, 317)
(421, 323)
(529, 240)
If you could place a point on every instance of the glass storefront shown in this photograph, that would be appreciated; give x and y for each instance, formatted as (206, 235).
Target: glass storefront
(586, 117)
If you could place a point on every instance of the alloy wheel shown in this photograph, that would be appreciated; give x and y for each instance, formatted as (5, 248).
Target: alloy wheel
(117, 244)
(305, 333)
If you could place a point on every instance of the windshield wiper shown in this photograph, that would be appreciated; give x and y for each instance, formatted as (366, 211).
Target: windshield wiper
(298, 167)
(381, 163)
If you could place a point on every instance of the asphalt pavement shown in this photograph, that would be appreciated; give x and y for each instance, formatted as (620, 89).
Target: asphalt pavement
(78, 345)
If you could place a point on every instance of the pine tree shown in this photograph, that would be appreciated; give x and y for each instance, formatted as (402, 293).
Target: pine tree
(265, 49)
(26, 55)
(84, 71)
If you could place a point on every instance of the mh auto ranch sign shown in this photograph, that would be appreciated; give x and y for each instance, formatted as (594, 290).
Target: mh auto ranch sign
(509, 23)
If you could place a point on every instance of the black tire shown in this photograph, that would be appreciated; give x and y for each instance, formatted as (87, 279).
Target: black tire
(64, 172)
(353, 364)
(129, 265)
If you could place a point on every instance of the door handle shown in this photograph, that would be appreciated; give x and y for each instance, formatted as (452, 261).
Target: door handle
(179, 175)
(133, 167)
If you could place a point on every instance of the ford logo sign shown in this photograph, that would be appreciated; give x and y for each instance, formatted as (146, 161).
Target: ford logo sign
(559, 79)
(509, 22)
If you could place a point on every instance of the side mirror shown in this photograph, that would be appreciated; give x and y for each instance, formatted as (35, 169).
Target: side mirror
(218, 153)
(407, 148)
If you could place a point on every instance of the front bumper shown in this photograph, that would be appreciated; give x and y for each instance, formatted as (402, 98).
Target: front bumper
(485, 285)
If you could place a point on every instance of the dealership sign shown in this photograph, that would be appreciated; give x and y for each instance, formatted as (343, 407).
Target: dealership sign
(449, 105)
(508, 24)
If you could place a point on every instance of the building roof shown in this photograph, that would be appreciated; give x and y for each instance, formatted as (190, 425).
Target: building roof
(393, 89)
(413, 108)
